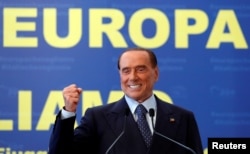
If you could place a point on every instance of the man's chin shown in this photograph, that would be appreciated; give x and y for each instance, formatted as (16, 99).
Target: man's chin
(135, 97)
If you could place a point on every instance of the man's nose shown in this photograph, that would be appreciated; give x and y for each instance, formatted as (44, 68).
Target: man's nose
(133, 75)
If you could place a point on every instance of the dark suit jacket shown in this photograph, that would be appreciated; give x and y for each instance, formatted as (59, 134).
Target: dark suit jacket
(101, 126)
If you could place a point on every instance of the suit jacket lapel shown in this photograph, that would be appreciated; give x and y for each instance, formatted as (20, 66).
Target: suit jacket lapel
(166, 123)
(131, 141)
(116, 116)
(133, 138)
(166, 120)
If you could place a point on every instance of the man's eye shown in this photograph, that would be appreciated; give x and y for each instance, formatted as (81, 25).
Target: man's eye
(141, 69)
(125, 71)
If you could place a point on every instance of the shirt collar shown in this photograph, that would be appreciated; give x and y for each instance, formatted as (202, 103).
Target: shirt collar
(148, 103)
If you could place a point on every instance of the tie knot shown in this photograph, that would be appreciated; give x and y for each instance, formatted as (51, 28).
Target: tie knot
(140, 109)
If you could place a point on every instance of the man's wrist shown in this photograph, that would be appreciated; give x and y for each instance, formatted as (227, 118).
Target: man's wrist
(66, 114)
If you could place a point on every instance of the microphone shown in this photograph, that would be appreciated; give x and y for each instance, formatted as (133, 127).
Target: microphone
(121, 134)
(152, 114)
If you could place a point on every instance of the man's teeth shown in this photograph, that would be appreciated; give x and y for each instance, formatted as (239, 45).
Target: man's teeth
(134, 86)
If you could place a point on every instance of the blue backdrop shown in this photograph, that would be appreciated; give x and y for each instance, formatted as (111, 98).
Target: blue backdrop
(202, 48)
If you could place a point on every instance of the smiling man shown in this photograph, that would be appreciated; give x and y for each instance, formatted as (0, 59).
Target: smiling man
(138, 123)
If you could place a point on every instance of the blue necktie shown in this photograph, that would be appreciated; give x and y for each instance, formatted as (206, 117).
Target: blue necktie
(143, 124)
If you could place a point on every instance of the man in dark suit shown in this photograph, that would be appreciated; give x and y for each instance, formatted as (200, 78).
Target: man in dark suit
(115, 127)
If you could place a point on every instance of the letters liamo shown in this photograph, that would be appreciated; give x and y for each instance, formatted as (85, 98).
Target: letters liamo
(97, 29)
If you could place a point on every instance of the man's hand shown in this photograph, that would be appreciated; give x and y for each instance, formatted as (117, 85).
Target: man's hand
(71, 95)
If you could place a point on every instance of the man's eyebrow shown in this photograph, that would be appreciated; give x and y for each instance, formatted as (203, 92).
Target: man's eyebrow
(124, 68)
(141, 65)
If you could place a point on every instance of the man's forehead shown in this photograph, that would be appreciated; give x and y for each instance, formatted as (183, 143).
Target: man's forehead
(134, 58)
(134, 63)
(132, 55)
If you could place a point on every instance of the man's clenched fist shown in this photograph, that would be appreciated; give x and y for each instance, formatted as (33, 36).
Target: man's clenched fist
(71, 95)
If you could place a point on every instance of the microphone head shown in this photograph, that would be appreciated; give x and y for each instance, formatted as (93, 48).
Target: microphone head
(151, 112)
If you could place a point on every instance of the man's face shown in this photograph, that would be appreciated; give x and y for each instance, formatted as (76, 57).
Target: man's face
(137, 75)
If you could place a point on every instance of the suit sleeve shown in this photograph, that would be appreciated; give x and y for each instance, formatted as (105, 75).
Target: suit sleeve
(62, 135)
(65, 139)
